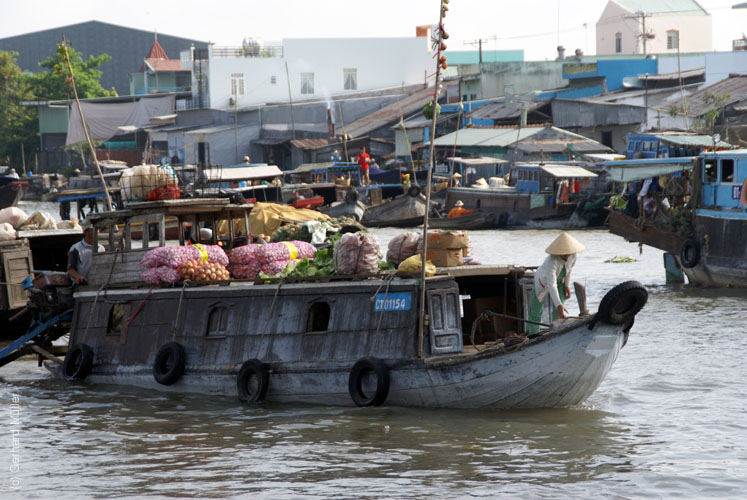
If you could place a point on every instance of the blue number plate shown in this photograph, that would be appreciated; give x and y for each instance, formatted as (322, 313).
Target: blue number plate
(393, 301)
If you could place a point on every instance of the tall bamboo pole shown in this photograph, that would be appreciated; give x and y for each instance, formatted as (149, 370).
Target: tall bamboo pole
(438, 42)
(83, 122)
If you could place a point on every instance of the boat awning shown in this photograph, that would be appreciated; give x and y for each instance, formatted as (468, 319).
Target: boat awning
(636, 170)
(567, 171)
(241, 173)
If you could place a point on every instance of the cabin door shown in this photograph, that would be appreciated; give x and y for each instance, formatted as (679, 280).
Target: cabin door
(16, 266)
(445, 325)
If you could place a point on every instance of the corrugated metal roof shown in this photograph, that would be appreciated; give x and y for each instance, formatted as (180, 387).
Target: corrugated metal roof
(502, 110)
(672, 76)
(307, 144)
(560, 145)
(735, 87)
(482, 160)
(690, 140)
(388, 114)
(487, 137)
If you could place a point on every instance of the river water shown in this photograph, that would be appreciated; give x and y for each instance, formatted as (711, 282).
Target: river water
(667, 422)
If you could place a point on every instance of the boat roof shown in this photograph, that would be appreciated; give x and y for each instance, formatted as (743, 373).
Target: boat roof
(482, 160)
(228, 174)
(636, 170)
(558, 170)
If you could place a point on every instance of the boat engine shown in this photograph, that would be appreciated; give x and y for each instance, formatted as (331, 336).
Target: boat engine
(49, 294)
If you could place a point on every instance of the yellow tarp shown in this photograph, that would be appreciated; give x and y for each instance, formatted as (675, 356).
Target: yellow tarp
(265, 218)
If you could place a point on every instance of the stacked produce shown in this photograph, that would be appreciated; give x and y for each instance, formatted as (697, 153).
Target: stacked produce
(446, 248)
(244, 262)
(357, 253)
(402, 247)
(300, 230)
(275, 257)
(193, 262)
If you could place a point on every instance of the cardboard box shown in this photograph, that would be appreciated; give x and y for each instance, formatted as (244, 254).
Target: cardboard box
(447, 239)
(445, 257)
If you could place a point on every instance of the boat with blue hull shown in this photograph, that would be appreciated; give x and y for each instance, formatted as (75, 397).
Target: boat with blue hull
(711, 244)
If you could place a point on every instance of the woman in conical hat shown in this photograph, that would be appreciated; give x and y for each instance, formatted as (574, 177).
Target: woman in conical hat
(553, 274)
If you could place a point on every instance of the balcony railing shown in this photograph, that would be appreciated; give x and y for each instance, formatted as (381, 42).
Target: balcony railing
(248, 51)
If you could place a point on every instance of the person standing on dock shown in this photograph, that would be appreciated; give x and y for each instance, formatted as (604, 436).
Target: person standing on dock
(363, 162)
(553, 275)
(80, 256)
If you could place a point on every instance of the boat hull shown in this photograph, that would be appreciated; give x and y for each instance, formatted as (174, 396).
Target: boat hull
(10, 195)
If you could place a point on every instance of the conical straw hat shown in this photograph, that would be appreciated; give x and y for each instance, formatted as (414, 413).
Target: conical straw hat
(565, 244)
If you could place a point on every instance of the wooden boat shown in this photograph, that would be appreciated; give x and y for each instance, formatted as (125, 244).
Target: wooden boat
(470, 222)
(11, 191)
(531, 202)
(296, 342)
(712, 245)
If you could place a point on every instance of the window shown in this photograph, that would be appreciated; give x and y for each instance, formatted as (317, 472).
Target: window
(607, 138)
(727, 170)
(318, 320)
(618, 43)
(217, 322)
(114, 324)
(351, 78)
(307, 83)
(273, 79)
(673, 39)
(237, 83)
(709, 171)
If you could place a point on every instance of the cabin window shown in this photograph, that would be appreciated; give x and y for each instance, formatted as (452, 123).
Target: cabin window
(673, 39)
(116, 317)
(709, 171)
(618, 43)
(307, 83)
(350, 76)
(318, 320)
(727, 170)
(217, 325)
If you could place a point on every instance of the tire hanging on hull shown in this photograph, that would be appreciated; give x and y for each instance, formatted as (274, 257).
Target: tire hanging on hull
(253, 381)
(169, 364)
(78, 362)
(366, 367)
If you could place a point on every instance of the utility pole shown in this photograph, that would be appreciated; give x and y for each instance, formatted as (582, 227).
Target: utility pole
(644, 35)
(478, 42)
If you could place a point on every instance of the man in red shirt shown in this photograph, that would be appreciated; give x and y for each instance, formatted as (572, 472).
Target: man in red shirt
(363, 161)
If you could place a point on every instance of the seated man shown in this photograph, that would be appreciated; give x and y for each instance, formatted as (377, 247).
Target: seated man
(80, 256)
(459, 210)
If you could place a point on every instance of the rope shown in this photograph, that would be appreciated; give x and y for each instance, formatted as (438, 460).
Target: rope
(178, 310)
(267, 320)
(139, 308)
(388, 281)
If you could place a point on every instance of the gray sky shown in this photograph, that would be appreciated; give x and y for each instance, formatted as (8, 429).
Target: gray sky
(533, 25)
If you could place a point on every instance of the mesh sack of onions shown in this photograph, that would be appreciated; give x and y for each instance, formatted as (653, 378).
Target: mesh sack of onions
(243, 255)
(246, 271)
(174, 256)
(160, 274)
(277, 266)
(210, 271)
(357, 253)
(402, 247)
(285, 250)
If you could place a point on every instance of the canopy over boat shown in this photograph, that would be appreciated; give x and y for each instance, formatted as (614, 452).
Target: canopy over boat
(636, 170)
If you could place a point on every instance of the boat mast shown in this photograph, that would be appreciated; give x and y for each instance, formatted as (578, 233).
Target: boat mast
(62, 49)
(438, 46)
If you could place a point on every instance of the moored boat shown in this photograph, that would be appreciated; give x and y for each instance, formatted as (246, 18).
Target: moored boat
(297, 342)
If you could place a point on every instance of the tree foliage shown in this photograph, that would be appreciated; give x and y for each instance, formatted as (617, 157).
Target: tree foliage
(55, 83)
(18, 124)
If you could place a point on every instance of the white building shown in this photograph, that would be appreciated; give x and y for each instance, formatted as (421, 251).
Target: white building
(317, 68)
(653, 27)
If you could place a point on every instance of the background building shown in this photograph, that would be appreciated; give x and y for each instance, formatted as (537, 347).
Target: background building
(653, 27)
(126, 46)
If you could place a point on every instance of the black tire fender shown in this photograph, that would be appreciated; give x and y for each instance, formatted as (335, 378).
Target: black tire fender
(690, 253)
(352, 197)
(168, 366)
(253, 381)
(78, 362)
(620, 305)
(414, 191)
(363, 367)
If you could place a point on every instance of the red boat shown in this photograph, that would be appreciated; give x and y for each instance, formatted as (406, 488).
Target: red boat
(316, 201)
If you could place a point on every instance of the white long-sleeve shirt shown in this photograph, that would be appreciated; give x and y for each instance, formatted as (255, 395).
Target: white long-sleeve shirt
(546, 277)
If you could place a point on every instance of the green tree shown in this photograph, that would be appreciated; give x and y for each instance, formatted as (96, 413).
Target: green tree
(55, 83)
(18, 124)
